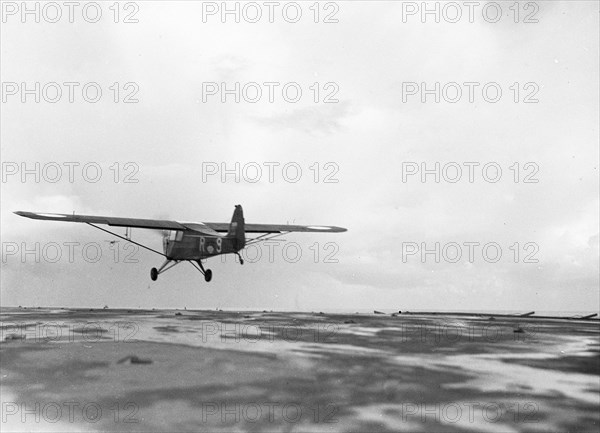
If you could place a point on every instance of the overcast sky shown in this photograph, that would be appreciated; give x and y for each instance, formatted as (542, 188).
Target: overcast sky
(374, 128)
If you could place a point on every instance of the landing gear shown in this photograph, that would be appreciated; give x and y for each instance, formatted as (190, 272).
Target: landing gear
(168, 264)
(206, 272)
(240, 257)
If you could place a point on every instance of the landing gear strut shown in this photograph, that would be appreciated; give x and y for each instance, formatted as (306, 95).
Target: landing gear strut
(206, 272)
(168, 264)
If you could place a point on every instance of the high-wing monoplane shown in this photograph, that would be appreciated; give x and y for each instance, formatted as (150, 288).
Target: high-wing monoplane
(191, 242)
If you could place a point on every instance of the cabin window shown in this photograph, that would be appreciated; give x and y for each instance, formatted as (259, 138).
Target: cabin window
(172, 235)
(179, 235)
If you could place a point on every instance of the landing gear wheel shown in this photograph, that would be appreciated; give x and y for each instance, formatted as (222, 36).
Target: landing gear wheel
(154, 274)
(207, 275)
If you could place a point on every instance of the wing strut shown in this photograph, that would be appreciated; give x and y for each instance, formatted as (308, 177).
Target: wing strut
(126, 239)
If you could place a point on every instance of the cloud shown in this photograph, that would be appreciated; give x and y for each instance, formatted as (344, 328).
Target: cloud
(325, 119)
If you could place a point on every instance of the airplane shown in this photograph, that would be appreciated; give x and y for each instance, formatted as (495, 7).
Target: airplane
(191, 242)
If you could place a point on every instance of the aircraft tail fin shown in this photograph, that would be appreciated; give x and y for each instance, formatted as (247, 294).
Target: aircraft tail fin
(237, 227)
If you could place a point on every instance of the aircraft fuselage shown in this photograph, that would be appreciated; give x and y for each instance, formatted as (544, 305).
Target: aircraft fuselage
(196, 246)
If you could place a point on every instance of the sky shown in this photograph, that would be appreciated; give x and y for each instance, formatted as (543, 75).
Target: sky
(356, 140)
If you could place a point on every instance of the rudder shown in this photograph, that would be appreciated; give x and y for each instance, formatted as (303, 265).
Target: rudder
(237, 227)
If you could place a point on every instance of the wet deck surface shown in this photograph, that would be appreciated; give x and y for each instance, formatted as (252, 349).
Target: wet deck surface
(114, 370)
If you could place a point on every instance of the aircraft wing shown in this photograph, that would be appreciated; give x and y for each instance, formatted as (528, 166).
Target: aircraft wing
(277, 228)
(111, 221)
(174, 225)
